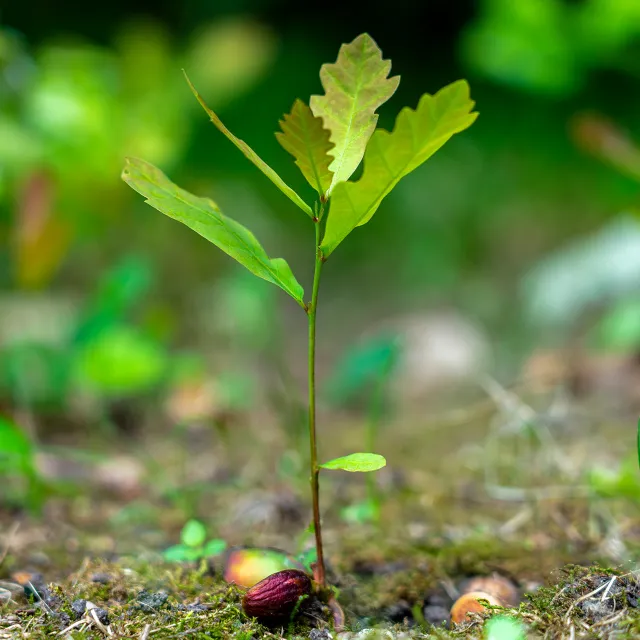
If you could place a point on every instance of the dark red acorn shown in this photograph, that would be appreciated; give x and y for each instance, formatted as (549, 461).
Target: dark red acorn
(275, 597)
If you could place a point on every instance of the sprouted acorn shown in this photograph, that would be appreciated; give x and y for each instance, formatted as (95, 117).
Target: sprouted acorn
(275, 598)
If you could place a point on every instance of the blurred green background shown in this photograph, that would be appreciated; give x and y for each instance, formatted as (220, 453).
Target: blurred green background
(521, 233)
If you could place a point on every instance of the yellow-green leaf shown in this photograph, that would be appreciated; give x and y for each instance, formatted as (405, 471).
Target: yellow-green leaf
(355, 86)
(252, 155)
(305, 138)
(362, 462)
(205, 218)
(417, 135)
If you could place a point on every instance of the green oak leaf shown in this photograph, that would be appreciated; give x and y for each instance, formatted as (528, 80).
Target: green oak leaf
(355, 86)
(356, 462)
(203, 216)
(417, 135)
(252, 155)
(305, 138)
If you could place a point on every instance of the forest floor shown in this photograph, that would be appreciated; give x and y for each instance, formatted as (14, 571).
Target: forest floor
(460, 500)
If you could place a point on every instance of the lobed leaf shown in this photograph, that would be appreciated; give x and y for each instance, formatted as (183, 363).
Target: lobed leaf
(305, 138)
(355, 86)
(389, 157)
(250, 154)
(203, 216)
(356, 462)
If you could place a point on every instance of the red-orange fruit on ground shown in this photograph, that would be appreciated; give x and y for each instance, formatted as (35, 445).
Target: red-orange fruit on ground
(469, 603)
(275, 597)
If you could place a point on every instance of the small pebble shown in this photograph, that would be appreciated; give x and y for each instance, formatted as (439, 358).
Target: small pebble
(320, 634)
(150, 601)
(78, 607)
(101, 578)
(436, 614)
(398, 612)
(102, 615)
(15, 591)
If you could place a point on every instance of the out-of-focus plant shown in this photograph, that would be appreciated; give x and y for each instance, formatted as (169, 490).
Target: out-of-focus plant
(366, 370)
(194, 545)
(19, 477)
(328, 140)
(623, 482)
(549, 46)
(504, 628)
(604, 139)
(70, 111)
(106, 355)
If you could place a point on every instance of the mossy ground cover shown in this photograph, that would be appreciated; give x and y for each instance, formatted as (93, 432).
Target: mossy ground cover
(439, 528)
(136, 598)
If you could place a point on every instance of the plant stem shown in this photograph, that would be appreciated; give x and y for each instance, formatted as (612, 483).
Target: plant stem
(315, 469)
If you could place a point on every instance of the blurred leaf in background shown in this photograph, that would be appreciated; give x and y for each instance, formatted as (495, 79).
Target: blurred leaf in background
(606, 140)
(120, 361)
(549, 46)
(70, 111)
(18, 474)
(619, 328)
(363, 367)
(623, 482)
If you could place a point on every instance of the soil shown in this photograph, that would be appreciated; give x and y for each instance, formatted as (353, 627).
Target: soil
(90, 565)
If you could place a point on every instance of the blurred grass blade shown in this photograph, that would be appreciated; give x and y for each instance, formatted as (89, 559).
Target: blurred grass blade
(416, 136)
(356, 462)
(305, 138)
(252, 155)
(638, 442)
(203, 216)
(355, 86)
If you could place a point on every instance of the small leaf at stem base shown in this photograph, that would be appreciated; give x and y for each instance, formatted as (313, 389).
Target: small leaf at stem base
(356, 462)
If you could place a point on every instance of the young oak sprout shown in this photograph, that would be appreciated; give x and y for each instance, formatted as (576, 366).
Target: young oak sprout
(328, 139)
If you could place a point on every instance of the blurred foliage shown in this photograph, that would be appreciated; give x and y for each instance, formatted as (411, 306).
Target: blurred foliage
(107, 353)
(194, 545)
(619, 328)
(363, 367)
(590, 272)
(549, 46)
(546, 176)
(622, 482)
(70, 111)
(19, 478)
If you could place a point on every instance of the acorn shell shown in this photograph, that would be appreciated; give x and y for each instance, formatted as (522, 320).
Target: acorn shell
(468, 603)
(275, 597)
(496, 585)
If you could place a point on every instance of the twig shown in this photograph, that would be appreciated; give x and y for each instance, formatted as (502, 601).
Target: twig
(144, 635)
(610, 620)
(606, 591)
(45, 606)
(78, 623)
